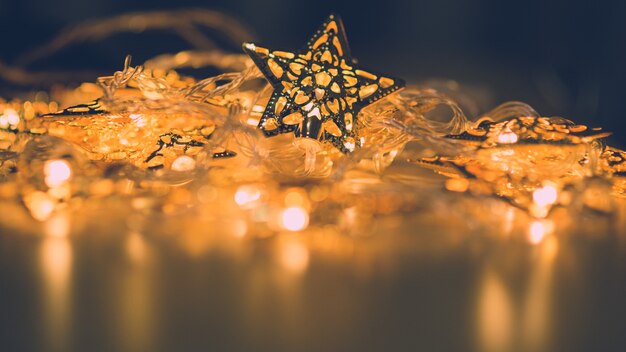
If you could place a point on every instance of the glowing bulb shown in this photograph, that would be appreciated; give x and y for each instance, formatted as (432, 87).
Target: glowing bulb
(507, 137)
(545, 196)
(183, 163)
(10, 119)
(57, 172)
(247, 195)
(294, 219)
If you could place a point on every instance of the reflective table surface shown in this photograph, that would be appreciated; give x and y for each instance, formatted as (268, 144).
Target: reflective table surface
(417, 283)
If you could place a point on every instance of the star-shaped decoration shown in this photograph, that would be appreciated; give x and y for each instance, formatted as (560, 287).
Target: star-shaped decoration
(319, 91)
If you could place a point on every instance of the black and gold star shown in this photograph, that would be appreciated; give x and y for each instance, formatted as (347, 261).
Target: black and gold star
(319, 91)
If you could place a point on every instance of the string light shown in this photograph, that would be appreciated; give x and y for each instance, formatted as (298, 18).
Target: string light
(165, 142)
(294, 219)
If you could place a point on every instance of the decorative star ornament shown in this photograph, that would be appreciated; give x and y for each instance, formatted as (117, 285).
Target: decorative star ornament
(319, 91)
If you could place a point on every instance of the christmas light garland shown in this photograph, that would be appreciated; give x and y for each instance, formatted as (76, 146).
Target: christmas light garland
(164, 143)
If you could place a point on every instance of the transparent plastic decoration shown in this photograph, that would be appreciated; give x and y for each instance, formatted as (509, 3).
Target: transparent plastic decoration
(527, 160)
(51, 173)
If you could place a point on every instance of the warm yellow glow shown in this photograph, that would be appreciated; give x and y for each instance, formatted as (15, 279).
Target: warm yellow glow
(247, 195)
(507, 137)
(56, 266)
(58, 225)
(9, 118)
(239, 228)
(349, 144)
(257, 110)
(207, 194)
(136, 247)
(40, 204)
(296, 197)
(495, 315)
(536, 323)
(57, 172)
(294, 219)
(56, 259)
(183, 163)
(457, 184)
(545, 196)
(294, 256)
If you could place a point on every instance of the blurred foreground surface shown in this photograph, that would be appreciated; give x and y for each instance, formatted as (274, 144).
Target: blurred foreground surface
(417, 283)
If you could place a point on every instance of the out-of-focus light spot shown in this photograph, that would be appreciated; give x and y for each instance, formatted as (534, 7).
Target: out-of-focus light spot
(545, 196)
(538, 230)
(56, 172)
(13, 118)
(294, 219)
(40, 204)
(507, 137)
(247, 195)
(9, 118)
(350, 216)
(294, 256)
(183, 163)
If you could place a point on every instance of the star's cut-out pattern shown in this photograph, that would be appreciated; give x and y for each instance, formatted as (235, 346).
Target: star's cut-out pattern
(319, 91)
